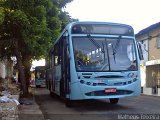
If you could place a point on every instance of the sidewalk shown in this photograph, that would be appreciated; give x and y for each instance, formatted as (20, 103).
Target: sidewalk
(29, 109)
(9, 109)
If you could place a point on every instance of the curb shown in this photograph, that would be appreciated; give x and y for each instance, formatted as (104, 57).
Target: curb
(29, 109)
(30, 112)
(150, 95)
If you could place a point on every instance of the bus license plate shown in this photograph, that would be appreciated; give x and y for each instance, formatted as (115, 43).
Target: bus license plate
(112, 90)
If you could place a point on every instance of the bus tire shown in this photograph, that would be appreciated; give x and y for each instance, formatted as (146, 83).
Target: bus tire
(52, 94)
(114, 100)
(38, 86)
(68, 103)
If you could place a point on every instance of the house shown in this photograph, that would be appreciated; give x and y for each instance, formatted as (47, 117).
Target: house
(150, 71)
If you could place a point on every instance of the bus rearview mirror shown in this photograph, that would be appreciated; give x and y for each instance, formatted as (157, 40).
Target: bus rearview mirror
(140, 52)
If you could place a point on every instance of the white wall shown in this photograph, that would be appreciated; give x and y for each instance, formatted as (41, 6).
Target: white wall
(2, 69)
(147, 91)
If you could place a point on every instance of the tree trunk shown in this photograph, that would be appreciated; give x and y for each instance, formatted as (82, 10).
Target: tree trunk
(27, 66)
(27, 74)
(21, 70)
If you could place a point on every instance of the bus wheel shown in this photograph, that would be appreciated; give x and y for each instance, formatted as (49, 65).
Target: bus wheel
(38, 86)
(114, 100)
(52, 94)
(68, 103)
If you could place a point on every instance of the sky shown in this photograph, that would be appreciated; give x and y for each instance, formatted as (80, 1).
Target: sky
(38, 63)
(137, 13)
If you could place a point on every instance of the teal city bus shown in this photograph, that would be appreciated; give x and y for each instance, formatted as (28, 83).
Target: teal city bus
(94, 60)
(40, 80)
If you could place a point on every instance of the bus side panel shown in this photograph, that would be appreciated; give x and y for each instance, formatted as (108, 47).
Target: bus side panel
(52, 81)
(57, 78)
(49, 78)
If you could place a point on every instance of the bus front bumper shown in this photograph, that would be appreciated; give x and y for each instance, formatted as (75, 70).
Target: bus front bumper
(100, 92)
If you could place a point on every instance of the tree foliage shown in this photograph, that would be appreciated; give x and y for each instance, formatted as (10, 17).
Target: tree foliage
(28, 29)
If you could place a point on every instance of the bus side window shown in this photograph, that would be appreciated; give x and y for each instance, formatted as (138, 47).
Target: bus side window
(38, 75)
(57, 55)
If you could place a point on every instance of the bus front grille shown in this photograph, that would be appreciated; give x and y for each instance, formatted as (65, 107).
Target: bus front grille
(103, 93)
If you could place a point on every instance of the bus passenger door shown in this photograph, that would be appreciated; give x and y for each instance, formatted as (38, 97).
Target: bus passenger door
(57, 68)
(64, 84)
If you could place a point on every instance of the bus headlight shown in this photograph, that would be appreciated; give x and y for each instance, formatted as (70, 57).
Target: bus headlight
(82, 81)
(131, 75)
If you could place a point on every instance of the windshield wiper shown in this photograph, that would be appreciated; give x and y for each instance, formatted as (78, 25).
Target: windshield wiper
(106, 42)
(115, 48)
(94, 42)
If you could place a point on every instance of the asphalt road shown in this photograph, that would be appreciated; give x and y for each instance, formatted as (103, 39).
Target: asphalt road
(142, 107)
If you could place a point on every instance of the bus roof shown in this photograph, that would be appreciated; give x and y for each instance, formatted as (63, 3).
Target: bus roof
(70, 25)
(92, 22)
(40, 67)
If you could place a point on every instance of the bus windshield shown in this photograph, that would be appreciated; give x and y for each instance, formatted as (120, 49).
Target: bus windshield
(104, 54)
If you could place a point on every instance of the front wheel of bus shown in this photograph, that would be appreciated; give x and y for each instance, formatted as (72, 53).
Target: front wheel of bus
(114, 100)
(38, 86)
(68, 103)
(52, 94)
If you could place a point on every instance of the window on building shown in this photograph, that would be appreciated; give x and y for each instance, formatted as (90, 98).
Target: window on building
(158, 41)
